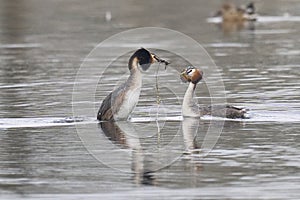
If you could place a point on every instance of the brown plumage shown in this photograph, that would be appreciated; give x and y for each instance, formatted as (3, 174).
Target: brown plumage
(114, 133)
(227, 111)
(106, 110)
(232, 13)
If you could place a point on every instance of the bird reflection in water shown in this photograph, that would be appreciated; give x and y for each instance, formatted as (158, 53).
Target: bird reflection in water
(124, 134)
(144, 164)
(190, 131)
(229, 27)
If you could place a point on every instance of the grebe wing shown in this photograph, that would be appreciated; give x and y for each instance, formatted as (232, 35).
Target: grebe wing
(111, 104)
(105, 110)
(235, 112)
(227, 111)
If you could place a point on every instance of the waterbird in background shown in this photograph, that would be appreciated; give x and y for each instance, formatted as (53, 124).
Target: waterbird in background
(232, 13)
(193, 75)
(121, 102)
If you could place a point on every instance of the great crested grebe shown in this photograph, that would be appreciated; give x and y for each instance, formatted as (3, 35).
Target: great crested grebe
(120, 102)
(190, 109)
(231, 13)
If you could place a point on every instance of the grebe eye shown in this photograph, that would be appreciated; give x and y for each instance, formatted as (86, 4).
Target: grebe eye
(189, 71)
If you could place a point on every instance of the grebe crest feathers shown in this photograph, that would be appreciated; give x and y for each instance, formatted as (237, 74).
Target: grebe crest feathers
(141, 57)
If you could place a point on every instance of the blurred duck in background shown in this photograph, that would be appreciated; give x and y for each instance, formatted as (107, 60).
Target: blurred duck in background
(232, 13)
(236, 18)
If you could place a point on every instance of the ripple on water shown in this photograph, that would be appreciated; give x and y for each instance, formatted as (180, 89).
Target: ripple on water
(263, 19)
(6, 123)
(20, 46)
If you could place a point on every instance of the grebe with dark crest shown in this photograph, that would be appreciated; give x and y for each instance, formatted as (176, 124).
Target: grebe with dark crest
(121, 102)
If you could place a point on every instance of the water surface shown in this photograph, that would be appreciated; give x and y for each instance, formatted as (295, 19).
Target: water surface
(42, 45)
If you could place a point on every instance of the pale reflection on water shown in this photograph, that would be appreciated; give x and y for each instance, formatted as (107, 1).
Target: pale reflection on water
(42, 45)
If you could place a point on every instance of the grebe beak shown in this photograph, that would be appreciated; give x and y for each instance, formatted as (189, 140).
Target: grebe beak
(183, 76)
(158, 59)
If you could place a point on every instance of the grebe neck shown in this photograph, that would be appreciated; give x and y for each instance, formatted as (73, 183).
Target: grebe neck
(135, 78)
(189, 107)
(131, 90)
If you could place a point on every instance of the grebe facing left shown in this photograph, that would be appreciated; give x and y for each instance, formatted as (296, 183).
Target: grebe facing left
(190, 109)
(121, 102)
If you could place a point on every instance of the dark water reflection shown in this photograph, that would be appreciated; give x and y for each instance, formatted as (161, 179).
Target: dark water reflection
(42, 45)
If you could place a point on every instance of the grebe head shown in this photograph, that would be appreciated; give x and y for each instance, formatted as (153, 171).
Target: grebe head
(191, 74)
(250, 10)
(144, 59)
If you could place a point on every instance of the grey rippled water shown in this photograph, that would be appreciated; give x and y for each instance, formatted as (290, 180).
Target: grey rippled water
(42, 45)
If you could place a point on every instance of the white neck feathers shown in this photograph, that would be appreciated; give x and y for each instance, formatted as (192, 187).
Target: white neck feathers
(189, 107)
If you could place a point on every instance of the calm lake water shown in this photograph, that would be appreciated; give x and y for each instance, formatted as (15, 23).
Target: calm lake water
(44, 154)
